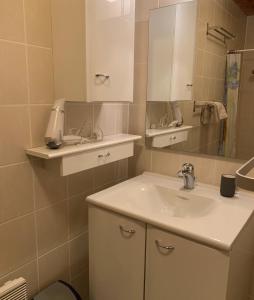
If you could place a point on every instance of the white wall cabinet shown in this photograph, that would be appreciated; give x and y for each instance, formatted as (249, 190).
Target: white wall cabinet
(172, 38)
(175, 268)
(110, 28)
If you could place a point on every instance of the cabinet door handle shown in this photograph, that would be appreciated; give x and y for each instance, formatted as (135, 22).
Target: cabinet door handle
(158, 244)
(130, 231)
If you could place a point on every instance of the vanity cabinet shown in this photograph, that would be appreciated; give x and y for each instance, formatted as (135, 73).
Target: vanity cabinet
(179, 269)
(116, 256)
(131, 260)
(110, 28)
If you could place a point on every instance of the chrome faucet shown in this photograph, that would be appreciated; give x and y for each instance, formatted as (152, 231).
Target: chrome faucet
(187, 173)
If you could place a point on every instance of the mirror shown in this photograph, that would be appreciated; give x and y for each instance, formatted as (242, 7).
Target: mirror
(202, 105)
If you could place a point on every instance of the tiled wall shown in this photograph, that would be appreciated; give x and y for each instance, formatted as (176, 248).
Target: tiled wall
(43, 217)
(208, 82)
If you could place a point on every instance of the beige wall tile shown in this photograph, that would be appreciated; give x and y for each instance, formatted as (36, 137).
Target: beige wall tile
(140, 83)
(121, 118)
(79, 255)
(69, 49)
(14, 134)
(104, 117)
(80, 183)
(49, 186)
(141, 42)
(16, 191)
(81, 284)
(137, 119)
(29, 272)
(52, 226)
(78, 114)
(12, 20)
(38, 22)
(39, 121)
(54, 266)
(104, 175)
(40, 67)
(13, 76)
(17, 244)
(78, 215)
(140, 162)
(121, 170)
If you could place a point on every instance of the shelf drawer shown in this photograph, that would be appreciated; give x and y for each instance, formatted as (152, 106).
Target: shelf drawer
(169, 139)
(79, 162)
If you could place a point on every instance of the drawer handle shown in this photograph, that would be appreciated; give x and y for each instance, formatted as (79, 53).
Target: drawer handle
(108, 154)
(130, 231)
(172, 138)
(158, 244)
(100, 156)
(105, 76)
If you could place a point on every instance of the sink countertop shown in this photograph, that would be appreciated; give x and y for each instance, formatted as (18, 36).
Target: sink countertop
(217, 224)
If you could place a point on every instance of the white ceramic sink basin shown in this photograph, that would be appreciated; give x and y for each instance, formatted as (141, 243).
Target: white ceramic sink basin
(200, 214)
(157, 200)
(179, 204)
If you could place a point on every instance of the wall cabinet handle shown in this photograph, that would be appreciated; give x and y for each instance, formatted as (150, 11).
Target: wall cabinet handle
(130, 231)
(159, 245)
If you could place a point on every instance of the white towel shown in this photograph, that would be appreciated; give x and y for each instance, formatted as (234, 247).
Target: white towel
(212, 107)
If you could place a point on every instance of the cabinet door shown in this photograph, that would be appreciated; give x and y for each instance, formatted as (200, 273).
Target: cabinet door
(184, 271)
(116, 257)
(110, 27)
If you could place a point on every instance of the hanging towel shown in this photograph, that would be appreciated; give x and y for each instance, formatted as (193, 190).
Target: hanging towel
(211, 111)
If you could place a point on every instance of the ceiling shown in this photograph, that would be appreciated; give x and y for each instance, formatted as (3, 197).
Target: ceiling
(247, 6)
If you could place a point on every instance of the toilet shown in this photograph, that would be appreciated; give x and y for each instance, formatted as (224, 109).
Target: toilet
(59, 290)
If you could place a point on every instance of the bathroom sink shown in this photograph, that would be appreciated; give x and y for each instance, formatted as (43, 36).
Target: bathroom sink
(179, 204)
(159, 200)
(200, 214)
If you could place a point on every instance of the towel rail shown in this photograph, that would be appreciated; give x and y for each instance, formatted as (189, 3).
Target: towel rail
(219, 33)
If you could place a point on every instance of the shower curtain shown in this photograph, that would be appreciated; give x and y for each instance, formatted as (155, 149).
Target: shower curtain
(231, 101)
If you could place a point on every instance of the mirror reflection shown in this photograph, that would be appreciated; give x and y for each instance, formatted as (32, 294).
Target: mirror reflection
(200, 94)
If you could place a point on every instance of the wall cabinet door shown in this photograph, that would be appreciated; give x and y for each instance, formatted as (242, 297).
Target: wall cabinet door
(116, 256)
(172, 38)
(110, 27)
(185, 270)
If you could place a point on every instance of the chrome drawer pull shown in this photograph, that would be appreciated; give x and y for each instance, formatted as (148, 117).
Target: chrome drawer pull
(130, 231)
(158, 244)
(102, 75)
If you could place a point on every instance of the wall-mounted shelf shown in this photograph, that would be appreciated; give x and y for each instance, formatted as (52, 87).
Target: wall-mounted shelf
(219, 33)
(79, 157)
(168, 136)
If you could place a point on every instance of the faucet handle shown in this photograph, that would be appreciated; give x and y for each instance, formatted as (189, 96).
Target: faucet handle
(188, 168)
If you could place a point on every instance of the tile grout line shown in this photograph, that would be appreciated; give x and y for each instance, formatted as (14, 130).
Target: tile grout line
(25, 44)
(69, 228)
(31, 143)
